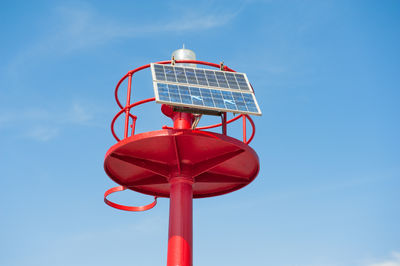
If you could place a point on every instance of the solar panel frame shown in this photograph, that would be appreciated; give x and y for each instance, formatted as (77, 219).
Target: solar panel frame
(206, 89)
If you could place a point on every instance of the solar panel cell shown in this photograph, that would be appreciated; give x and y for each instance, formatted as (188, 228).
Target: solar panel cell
(191, 77)
(195, 91)
(242, 82)
(208, 102)
(221, 80)
(201, 77)
(205, 92)
(220, 103)
(170, 74)
(159, 71)
(180, 75)
(212, 80)
(186, 99)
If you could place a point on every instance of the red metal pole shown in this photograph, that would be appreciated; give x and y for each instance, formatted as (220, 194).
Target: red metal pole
(134, 118)
(244, 129)
(182, 120)
(180, 238)
(223, 117)
(180, 235)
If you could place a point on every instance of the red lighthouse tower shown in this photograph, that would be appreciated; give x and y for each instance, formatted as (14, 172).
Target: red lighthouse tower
(185, 161)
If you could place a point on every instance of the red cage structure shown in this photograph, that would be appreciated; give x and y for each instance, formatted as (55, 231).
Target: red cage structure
(180, 162)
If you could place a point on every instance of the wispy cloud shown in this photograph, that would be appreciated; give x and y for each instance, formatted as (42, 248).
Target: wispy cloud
(197, 22)
(85, 26)
(42, 133)
(79, 114)
(82, 27)
(394, 261)
(41, 124)
(11, 117)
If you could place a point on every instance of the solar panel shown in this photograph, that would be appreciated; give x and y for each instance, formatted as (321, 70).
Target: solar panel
(205, 89)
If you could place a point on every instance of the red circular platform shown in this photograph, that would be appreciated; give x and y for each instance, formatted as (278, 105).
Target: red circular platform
(217, 164)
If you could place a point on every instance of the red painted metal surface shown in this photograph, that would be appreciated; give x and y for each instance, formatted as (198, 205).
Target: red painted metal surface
(180, 233)
(123, 207)
(145, 162)
(128, 102)
(180, 163)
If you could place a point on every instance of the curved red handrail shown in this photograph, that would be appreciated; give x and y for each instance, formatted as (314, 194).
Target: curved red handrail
(254, 129)
(123, 110)
(164, 63)
(123, 207)
(131, 72)
(220, 124)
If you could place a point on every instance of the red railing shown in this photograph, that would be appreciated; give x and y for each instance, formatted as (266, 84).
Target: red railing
(129, 106)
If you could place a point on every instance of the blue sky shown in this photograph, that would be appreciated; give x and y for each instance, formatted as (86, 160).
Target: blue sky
(326, 75)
